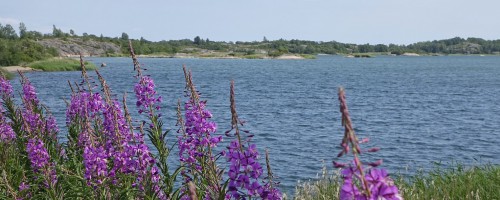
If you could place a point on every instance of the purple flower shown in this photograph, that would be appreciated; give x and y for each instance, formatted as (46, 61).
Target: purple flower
(29, 94)
(33, 121)
(199, 132)
(40, 161)
(244, 173)
(6, 133)
(116, 130)
(244, 169)
(84, 105)
(23, 186)
(95, 160)
(37, 154)
(381, 185)
(349, 191)
(5, 88)
(51, 125)
(145, 93)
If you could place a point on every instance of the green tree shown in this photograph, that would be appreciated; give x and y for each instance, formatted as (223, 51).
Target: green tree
(22, 30)
(8, 32)
(124, 36)
(197, 40)
(57, 32)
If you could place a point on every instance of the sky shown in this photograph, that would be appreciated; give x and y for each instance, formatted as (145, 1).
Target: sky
(348, 21)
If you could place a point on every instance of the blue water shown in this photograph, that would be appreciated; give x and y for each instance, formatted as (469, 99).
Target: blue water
(419, 110)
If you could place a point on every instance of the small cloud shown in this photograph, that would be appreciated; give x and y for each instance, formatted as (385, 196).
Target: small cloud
(11, 21)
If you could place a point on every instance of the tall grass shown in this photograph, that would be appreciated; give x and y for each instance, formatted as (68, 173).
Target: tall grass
(480, 182)
(60, 64)
(458, 182)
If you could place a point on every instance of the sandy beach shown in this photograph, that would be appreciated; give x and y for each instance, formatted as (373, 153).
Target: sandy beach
(289, 57)
(14, 69)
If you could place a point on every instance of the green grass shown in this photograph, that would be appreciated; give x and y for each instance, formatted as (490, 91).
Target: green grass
(253, 56)
(64, 64)
(481, 182)
(7, 75)
(325, 187)
(454, 183)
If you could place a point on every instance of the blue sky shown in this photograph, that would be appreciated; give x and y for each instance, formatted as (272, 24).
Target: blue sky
(350, 21)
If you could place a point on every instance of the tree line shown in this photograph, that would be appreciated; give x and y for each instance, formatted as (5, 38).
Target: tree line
(22, 46)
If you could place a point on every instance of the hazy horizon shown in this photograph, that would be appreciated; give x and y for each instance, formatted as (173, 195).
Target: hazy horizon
(358, 22)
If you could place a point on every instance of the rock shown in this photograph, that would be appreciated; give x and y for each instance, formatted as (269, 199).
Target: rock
(72, 47)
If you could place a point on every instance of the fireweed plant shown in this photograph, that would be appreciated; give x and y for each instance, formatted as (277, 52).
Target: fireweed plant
(105, 154)
(245, 172)
(361, 181)
(196, 144)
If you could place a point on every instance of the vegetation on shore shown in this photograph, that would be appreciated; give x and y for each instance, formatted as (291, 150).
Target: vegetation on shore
(29, 46)
(60, 64)
(457, 182)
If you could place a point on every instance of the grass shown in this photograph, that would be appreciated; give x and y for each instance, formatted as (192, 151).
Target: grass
(7, 75)
(325, 187)
(481, 182)
(363, 55)
(60, 64)
(254, 56)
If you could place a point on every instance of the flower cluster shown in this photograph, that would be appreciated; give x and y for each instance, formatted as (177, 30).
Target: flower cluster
(83, 105)
(147, 102)
(5, 87)
(244, 169)
(37, 154)
(6, 133)
(95, 160)
(145, 93)
(375, 183)
(381, 186)
(199, 131)
(197, 142)
(40, 160)
(197, 139)
(35, 123)
(29, 93)
(245, 173)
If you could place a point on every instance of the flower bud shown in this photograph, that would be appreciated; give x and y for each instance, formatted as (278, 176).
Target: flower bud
(339, 165)
(376, 163)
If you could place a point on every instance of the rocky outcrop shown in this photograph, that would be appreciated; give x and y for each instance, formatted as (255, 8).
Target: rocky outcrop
(71, 47)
